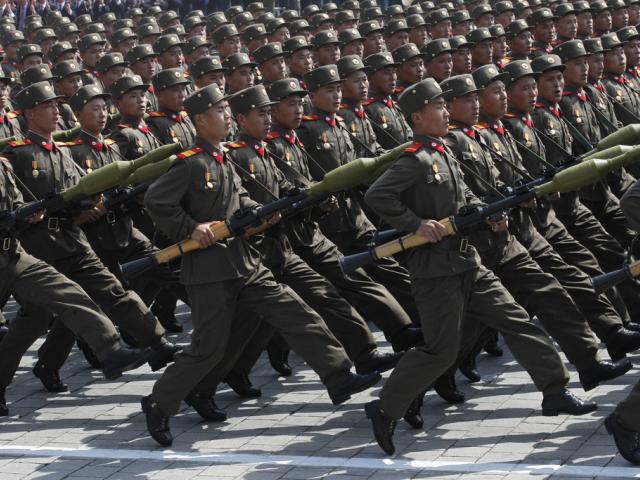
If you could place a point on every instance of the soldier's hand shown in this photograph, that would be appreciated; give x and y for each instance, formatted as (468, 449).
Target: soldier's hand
(554, 196)
(88, 216)
(35, 218)
(203, 235)
(432, 230)
(499, 225)
(275, 218)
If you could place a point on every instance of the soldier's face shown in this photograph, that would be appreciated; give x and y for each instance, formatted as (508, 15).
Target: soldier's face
(133, 103)
(482, 53)
(585, 24)
(419, 36)
(327, 98)
(485, 20)
(356, 86)
(211, 77)
(215, 124)
(328, 54)
(43, 118)
(92, 54)
(397, 40)
(346, 25)
(145, 67)
(440, 66)
(172, 58)
(241, 78)
(432, 119)
(198, 53)
(230, 46)
(373, 43)
(632, 52)
(4, 94)
(462, 28)
(124, 46)
(551, 85)
(172, 98)
(523, 94)
(412, 71)
(567, 26)
(493, 100)
(300, 62)
(288, 112)
(505, 18)
(68, 85)
(465, 109)
(545, 32)
(257, 42)
(602, 21)
(256, 122)
(619, 18)
(31, 61)
(634, 14)
(67, 56)
(441, 29)
(615, 61)
(12, 49)
(281, 35)
(93, 116)
(596, 66)
(461, 61)
(576, 72)
(499, 47)
(384, 80)
(353, 48)
(521, 44)
(274, 69)
(113, 74)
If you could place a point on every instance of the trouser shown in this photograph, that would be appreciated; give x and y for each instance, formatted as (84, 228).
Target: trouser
(477, 296)
(38, 286)
(214, 306)
(629, 409)
(608, 212)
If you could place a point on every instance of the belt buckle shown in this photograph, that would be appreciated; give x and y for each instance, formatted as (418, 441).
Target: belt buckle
(464, 245)
(111, 217)
(53, 223)
(6, 244)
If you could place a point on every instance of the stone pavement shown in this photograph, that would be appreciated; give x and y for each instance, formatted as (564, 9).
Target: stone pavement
(96, 431)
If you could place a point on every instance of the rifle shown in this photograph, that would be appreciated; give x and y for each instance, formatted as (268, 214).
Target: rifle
(604, 282)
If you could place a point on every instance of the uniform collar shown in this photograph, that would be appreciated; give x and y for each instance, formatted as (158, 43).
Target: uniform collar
(95, 143)
(216, 152)
(330, 118)
(48, 145)
(256, 144)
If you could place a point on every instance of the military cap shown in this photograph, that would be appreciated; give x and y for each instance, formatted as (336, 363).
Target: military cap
(593, 46)
(59, 21)
(310, 10)
(215, 20)
(89, 40)
(122, 35)
(165, 42)
(135, 12)
(505, 6)
(33, 18)
(267, 52)
(448, 5)
(569, 50)
(194, 43)
(66, 29)
(487, 74)
(246, 100)
(627, 34)
(233, 11)
(168, 78)
(459, 41)
(479, 35)
(298, 26)
(521, 5)
(205, 65)
(395, 26)
(352, 5)
(83, 19)
(154, 10)
(371, 13)
(167, 17)
(123, 23)
(110, 60)
(225, 32)
(563, 9)
(126, 84)
(349, 64)
(324, 37)
(139, 52)
(367, 28)
(253, 31)
(52, 16)
(535, 3)
(545, 63)
(396, 10)
(458, 86)
(349, 35)
(516, 27)
(243, 19)
(517, 69)
(177, 30)
(35, 94)
(460, 16)
(413, 9)
(192, 22)
(368, 4)
(265, 17)
(540, 15)
(582, 6)
(95, 27)
(319, 18)
(66, 68)
(28, 49)
(290, 15)
(406, 52)
(616, 4)
(481, 10)
(599, 6)
(428, 5)
(39, 73)
(12, 37)
(415, 20)
(321, 76)
(59, 49)
(610, 41)
(344, 16)
(632, 2)
(254, 7)
(378, 61)
(148, 29)
(438, 15)
(275, 24)
(44, 34)
(330, 7)
(281, 89)
(237, 60)
(436, 47)
(108, 17)
(497, 30)
(294, 44)
(85, 94)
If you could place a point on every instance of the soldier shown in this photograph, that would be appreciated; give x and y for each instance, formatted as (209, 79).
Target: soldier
(239, 72)
(44, 168)
(460, 55)
(630, 39)
(505, 13)
(566, 23)
(9, 124)
(254, 36)
(270, 60)
(297, 54)
(222, 278)
(226, 40)
(387, 120)
(91, 48)
(410, 66)
(619, 14)
(602, 22)
(61, 52)
(168, 50)
(439, 21)
(584, 16)
(207, 70)
(423, 185)
(418, 33)
(499, 45)
(483, 16)
(544, 31)
(371, 32)
(519, 39)
(142, 61)
(123, 40)
(617, 87)
(438, 59)
(148, 34)
(396, 34)
(11, 41)
(326, 48)
(195, 48)
(111, 67)
(482, 47)
(351, 42)
(461, 23)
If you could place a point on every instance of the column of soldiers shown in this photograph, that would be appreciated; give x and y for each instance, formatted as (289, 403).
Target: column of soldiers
(491, 95)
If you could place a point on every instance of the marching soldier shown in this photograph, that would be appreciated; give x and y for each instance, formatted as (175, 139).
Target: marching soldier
(142, 61)
(91, 48)
(626, 101)
(207, 70)
(438, 59)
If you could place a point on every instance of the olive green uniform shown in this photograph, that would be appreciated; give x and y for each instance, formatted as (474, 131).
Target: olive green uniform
(387, 119)
(172, 127)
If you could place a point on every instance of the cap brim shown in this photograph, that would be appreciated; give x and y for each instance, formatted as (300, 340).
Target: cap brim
(501, 76)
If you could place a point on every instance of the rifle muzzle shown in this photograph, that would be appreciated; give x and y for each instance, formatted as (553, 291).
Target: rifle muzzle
(135, 268)
(604, 282)
(350, 263)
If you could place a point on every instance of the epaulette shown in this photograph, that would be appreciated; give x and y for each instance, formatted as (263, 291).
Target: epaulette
(399, 89)
(338, 117)
(238, 144)
(454, 126)
(481, 125)
(309, 118)
(538, 105)
(157, 114)
(272, 135)
(69, 144)
(344, 106)
(189, 153)
(368, 102)
(14, 114)
(184, 114)
(512, 115)
(19, 143)
(124, 125)
(414, 147)
(109, 141)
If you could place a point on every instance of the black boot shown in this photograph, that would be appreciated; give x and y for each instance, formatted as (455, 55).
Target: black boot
(446, 387)
(603, 371)
(50, 378)
(492, 347)
(89, 356)
(4, 410)
(621, 342)
(414, 413)
(633, 326)
(406, 339)
(279, 358)
(3, 331)
(164, 310)
(627, 441)
(162, 354)
(378, 362)
(241, 384)
(383, 426)
(566, 402)
(206, 407)
(469, 369)
(124, 360)
(157, 422)
(342, 385)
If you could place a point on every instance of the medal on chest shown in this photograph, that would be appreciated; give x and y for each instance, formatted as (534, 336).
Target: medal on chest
(87, 165)
(618, 95)
(472, 151)
(252, 170)
(140, 145)
(383, 118)
(287, 157)
(325, 141)
(174, 137)
(496, 147)
(35, 172)
(436, 172)
(207, 180)
(527, 139)
(354, 127)
(577, 115)
(552, 127)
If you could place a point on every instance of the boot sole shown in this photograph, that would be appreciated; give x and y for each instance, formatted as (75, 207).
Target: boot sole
(337, 400)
